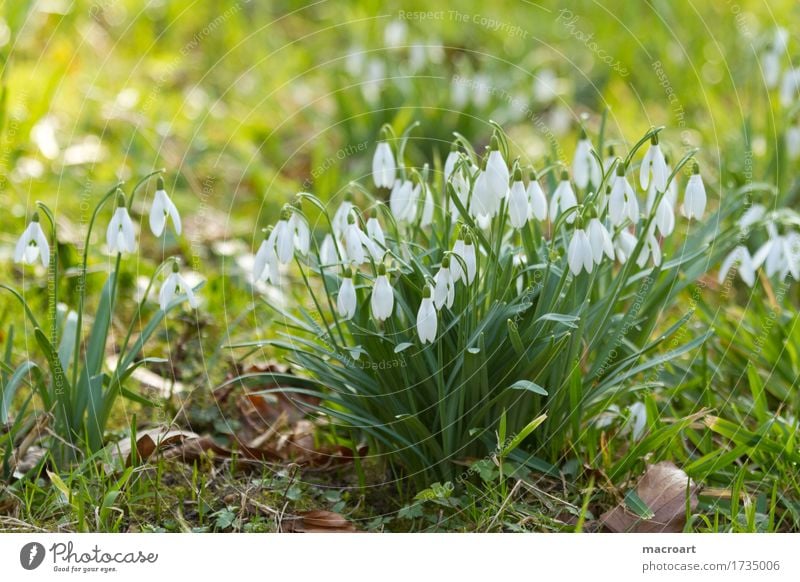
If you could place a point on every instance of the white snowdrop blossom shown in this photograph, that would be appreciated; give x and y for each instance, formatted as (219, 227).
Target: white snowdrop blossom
(563, 199)
(173, 287)
(518, 208)
(450, 163)
(622, 203)
(120, 235)
(284, 239)
(470, 259)
(377, 238)
(694, 200)
(791, 250)
(585, 167)
(771, 253)
(793, 142)
(162, 209)
(328, 255)
(427, 318)
(790, 85)
(383, 166)
(427, 207)
(403, 200)
(340, 218)
(624, 245)
(665, 217)
(600, 241)
(382, 300)
(346, 301)
(536, 199)
(32, 244)
(354, 240)
(300, 233)
(751, 216)
(655, 164)
(444, 290)
(740, 257)
(491, 185)
(460, 183)
(265, 266)
(579, 253)
(650, 248)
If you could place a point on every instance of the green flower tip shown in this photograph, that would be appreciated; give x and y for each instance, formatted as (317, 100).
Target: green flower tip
(381, 269)
(564, 176)
(160, 183)
(446, 263)
(268, 232)
(494, 145)
(426, 292)
(35, 217)
(175, 266)
(532, 174)
(120, 198)
(454, 146)
(654, 139)
(468, 238)
(517, 174)
(351, 219)
(347, 273)
(610, 151)
(583, 134)
(620, 168)
(286, 212)
(695, 168)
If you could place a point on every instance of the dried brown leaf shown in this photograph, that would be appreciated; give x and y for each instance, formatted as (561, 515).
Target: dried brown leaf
(663, 487)
(318, 521)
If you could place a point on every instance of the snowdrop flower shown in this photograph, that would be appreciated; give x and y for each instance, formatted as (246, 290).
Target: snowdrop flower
(162, 209)
(378, 240)
(771, 66)
(771, 253)
(403, 201)
(328, 254)
(383, 166)
(497, 173)
(751, 216)
(470, 259)
(694, 200)
(622, 203)
(665, 217)
(173, 287)
(284, 238)
(518, 208)
(265, 266)
(427, 207)
(739, 256)
(300, 233)
(585, 167)
(650, 248)
(790, 86)
(451, 161)
(340, 218)
(655, 164)
(579, 253)
(536, 198)
(354, 240)
(120, 236)
(624, 245)
(610, 159)
(793, 142)
(32, 244)
(791, 251)
(426, 318)
(466, 251)
(444, 290)
(382, 300)
(563, 199)
(460, 183)
(346, 301)
(600, 241)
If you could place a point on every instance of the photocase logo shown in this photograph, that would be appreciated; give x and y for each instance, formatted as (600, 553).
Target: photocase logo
(31, 555)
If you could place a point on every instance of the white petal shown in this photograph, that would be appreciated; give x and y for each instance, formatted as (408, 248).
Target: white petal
(426, 321)
(284, 242)
(518, 205)
(644, 169)
(471, 261)
(538, 202)
(158, 213)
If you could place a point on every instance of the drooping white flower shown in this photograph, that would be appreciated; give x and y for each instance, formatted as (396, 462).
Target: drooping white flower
(771, 253)
(460, 183)
(622, 203)
(771, 67)
(790, 85)
(609, 160)
(536, 198)
(791, 253)
(327, 252)
(340, 218)
(518, 208)
(650, 248)
(470, 259)
(354, 240)
(694, 200)
(162, 209)
(665, 217)
(174, 286)
(451, 161)
(346, 301)
(444, 290)
(579, 253)
(793, 142)
(600, 241)
(739, 256)
(300, 232)
(383, 166)
(563, 199)
(585, 167)
(482, 202)
(377, 238)
(120, 235)
(403, 201)
(624, 244)
(382, 300)
(284, 239)
(655, 164)
(427, 320)
(751, 216)
(265, 266)
(427, 207)
(32, 244)
(491, 185)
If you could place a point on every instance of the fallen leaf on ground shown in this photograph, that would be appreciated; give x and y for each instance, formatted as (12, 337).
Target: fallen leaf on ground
(318, 521)
(148, 442)
(663, 490)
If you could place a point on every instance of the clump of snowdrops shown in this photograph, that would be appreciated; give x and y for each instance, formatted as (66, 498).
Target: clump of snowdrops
(484, 294)
(67, 370)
